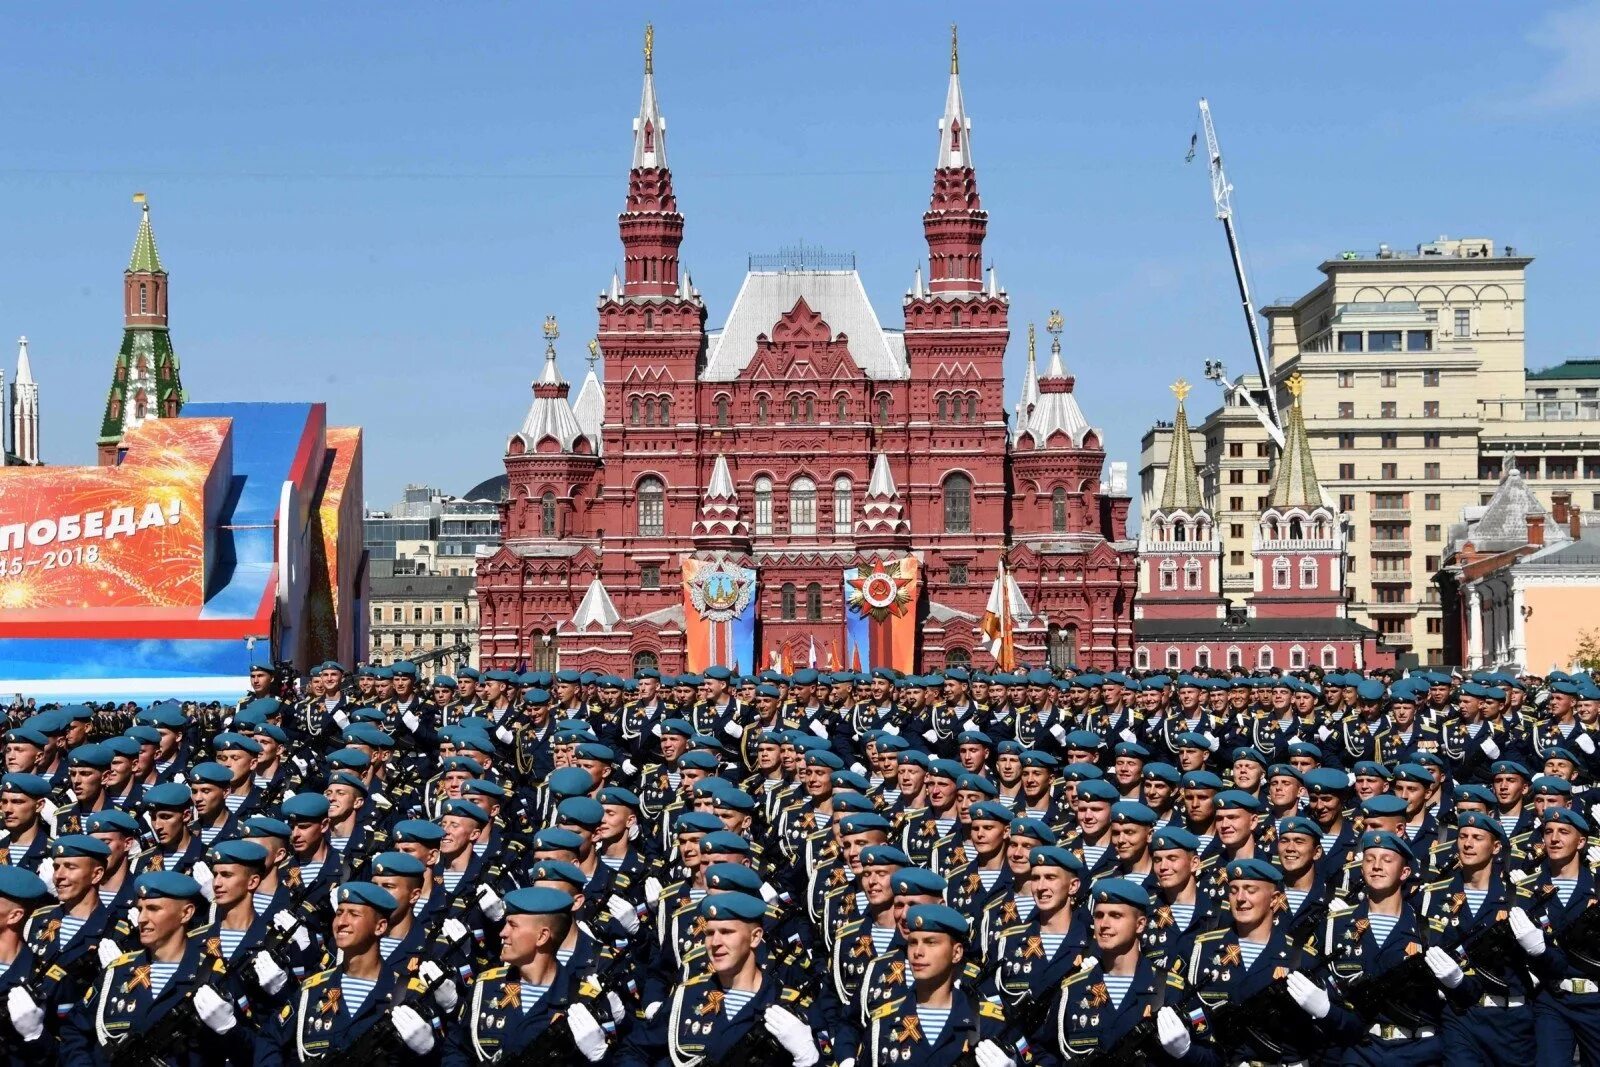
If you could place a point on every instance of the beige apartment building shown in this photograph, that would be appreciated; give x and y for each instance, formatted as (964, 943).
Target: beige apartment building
(429, 619)
(1417, 397)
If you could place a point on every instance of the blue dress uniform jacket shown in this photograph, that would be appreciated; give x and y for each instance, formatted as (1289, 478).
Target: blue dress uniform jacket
(497, 1024)
(1024, 968)
(1566, 1009)
(1490, 1012)
(895, 1034)
(1353, 951)
(694, 1028)
(71, 965)
(1085, 1022)
(320, 1025)
(1215, 974)
(1165, 942)
(12, 1047)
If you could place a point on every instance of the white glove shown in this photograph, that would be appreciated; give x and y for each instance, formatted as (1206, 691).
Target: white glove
(268, 974)
(413, 1029)
(656, 729)
(930, 736)
(215, 1012)
(490, 904)
(1349, 780)
(651, 1010)
(444, 994)
(47, 874)
(411, 721)
(768, 893)
(792, 1034)
(1585, 744)
(891, 728)
(1490, 749)
(1593, 853)
(342, 717)
(1172, 1034)
(1323, 733)
(1211, 742)
(623, 913)
(859, 767)
(454, 930)
(1129, 736)
(733, 729)
(652, 890)
(1312, 998)
(202, 874)
(990, 1054)
(1528, 936)
(1059, 732)
(586, 1033)
(333, 897)
(1444, 968)
(108, 951)
(970, 726)
(628, 768)
(615, 1006)
(27, 1018)
(505, 736)
(818, 728)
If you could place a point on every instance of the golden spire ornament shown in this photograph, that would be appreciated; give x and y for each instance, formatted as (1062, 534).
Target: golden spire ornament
(1297, 385)
(1180, 389)
(649, 48)
(955, 61)
(551, 332)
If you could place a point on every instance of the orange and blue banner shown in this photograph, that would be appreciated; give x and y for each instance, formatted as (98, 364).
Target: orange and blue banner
(719, 615)
(880, 622)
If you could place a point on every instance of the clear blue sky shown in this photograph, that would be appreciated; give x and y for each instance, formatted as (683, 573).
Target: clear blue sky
(377, 205)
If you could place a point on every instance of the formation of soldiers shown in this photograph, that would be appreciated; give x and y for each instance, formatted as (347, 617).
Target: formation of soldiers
(851, 869)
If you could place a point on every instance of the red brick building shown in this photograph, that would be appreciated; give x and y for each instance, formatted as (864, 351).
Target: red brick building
(1293, 619)
(802, 438)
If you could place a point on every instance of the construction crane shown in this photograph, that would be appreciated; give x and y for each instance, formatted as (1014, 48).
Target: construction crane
(1222, 194)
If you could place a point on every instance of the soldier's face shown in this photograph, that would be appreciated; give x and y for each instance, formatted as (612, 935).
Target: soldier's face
(259, 681)
(207, 798)
(931, 956)
(1117, 926)
(331, 680)
(1382, 869)
(1562, 841)
(1127, 770)
(909, 777)
(881, 689)
(1509, 790)
(1157, 793)
(1174, 868)
(21, 757)
(1200, 805)
(1093, 816)
(1008, 767)
(1247, 774)
(355, 926)
(1370, 785)
(1403, 714)
(1234, 825)
(1557, 767)
(86, 782)
(75, 877)
(1415, 794)
(466, 688)
(160, 918)
(1189, 699)
(494, 689)
(689, 850)
(1129, 841)
(816, 779)
(729, 944)
(1035, 782)
(854, 843)
(230, 882)
(460, 832)
(1283, 791)
(904, 903)
(987, 836)
(672, 746)
(1019, 694)
(565, 691)
(1018, 848)
(1296, 852)
(521, 938)
(767, 707)
(615, 822)
(169, 824)
(941, 791)
(1250, 901)
(1476, 848)
(1191, 759)
(877, 884)
(972, 756)
(239, 763)
(404, 890)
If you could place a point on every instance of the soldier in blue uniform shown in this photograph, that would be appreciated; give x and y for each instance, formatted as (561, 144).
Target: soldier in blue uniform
(1566, 1007)
(24, 1039)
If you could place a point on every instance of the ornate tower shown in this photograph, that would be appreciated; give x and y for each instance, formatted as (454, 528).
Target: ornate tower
(24, 409)
(1180, 555)
(145, 384)
(1299, 542)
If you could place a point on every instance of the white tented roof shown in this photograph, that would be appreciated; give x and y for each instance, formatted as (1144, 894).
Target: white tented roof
(837, 295)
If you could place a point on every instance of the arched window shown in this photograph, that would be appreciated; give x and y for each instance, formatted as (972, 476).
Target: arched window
(1264, 657)
(958, 503)
(666, 411)
(764, 506)
(547, 514)
(841, 408)
(1062, 647)
(1141, 659)
(144, 298)
(652, 508)
(541, 651)
(1280, 573)
(972, 407)
(1180, 531)
(955, 316)
(1294, 529)
(1169, 574)
(645, 661)
(814, 602)
(1330, 658)
(1191, 574)
(957, 657)
(1174, 660)
(1058, 510)
(722, 410)
(649, 316)
(811, 409)
(842, 506)
(1202, 658)
(761, 409)
(794, 407)
(803, 507)
(786, 602)
(1235, 657)
(942, 408)
(633, 411)
(1297, 658)
(649, 411)
(883, 407)
(1308, 574)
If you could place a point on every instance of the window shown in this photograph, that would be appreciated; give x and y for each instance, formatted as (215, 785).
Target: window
(1419, 340)
(1191, 574)
(1169, 574)
(1236, 559)
(1388, 439)
(1141, 659)
(1236, 477)
(1058, 510)
(1430, 409)
(761, 409)
(1383, 340)
(1435, 625)
(958, 574)
(1347, 502)
(1330, 658)
(398, 614)
(633, 411)
(652, 508)
(883, 407)
(803, 507)
(811, 409)
(1430, 470)
(416, 614)
(1264, 450)
(1202, 657)
(547, 514)
(1297, 658)
(1431, 532)
(1389, 500)
(1430, 563)
(943, 411)
(764, 506)
(1387, 410)
(1264, 657)
(722, 410)
(1390, 625)
(1261, 503)
(1347, 472)
(1236, 503)
(814, 602)
(1389, 471)
(1347, 379)
(460, 614)
(1236, 529)
(1235, 449)
(1347, 409)
(786, 602)
(1387, 379)
(1308, 574)
(1561, 468)
(1463, 322)
(1174, 662)
(650, 576)
(1430, 379)
(843, 518)
(1347, 440)
(144, 298)
(841, 408)
(958, 503)
(1280, 573)
(1430, 439)
(1235, 657)
(1263, 476)
(1062, 646)
(1591, 467)
(958, 657)
(1350, 341)
(643, 661)
(438, 614)
(794, 407)
(1430, 501)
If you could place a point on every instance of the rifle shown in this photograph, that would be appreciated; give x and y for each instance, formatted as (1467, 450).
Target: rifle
(171, 1033)
(379, 1042)
(1405, 992)
(1493, 950)
(556, 1045)
(1581, 941)
(758, 1048)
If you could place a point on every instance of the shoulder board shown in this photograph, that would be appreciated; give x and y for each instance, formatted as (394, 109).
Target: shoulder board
(1077, 976)
(1337, 907)
(494, 972)
(990, 1010)
(699, 979)
(1014, 931)
(41, 912)
(1526, 881)
(318, 979)
(1436, 887)
(124, 960)
(888, 1008)
(1210, 935)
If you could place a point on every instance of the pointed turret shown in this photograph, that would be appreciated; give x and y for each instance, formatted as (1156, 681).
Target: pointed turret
(955, 222)
(1030, 389)
(719, 524)
(146, 383)
(1056, 410)
(1182, 489)
(590, 406)
(652, 228)
(596, 609)
(550, 416)
(882, 523)
(1294, 482)
(24, 409)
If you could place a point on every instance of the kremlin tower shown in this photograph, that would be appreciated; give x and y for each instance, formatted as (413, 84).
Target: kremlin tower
(145, 384)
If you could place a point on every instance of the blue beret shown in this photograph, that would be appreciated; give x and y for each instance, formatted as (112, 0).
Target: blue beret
(1162, 772)
(169, 884)
(211, 774)
(946, 768)
(267, 729)
(399, 864)
(418, 832)
(861, 822)
(850, 801)
(22, 885)
(1190, 739)
(79, 845)
(696, 822)
(721, 907)
(805, 676)
(265, 826)
(370, 895)
(1284, 770)
(824, 758)
(1482, 794)
(404, 668)
(768, 690)
(1034, 828)
(891, 743)
(349, 758)
(1549, 784)
(26, 735)
(1506, 766)
(1478, 820)
(1171, 837)
(1051, 856)
(1326, 780)
(304, 806)
(719, 673)
(1386, 839)
(111, 820)
(856, 783)
(1010, 747)
(570, 782)
(484, 787)
(1098, 789)
(1238, 798)
(1201, 780)
(977, 783)
(466, 809)
(365, 733)
(95, 757)
(1383, 804)
(535, 900)
(443, 681)
(169, 796)
(37, 786)
(1371, 689)
(1120, 891)
(1299, 824)
(581, 811)
(596, 751)
(735, 877)
(725, 841)
(230, 741)
(1412, 772)
(1134, 812)
(937, 918)
(617, 795)
(1250, 754)
(913, 756)
(1254, 870)
(990, 811)
(1087, 740)
(1132, 749)
(917, 882)
(345, 778)
(974, 737)
(471, 673)
(884, 856)
(248, 853)
(701, 760)
(560, 839)
(1569, 817)
(1372, 769)
(1033, 757)
(122, 745)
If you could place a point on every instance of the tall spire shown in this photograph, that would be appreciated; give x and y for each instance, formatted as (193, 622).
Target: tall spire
(1030, 388)
(652, 228)
(145, 258)
(955, 222)
(24, 367)
(550, 415)
(146, 383)
(24, 409)
(1294, 483)
(1182, 490)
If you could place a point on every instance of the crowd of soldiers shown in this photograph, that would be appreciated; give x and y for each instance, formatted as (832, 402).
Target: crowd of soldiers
(1035, 867)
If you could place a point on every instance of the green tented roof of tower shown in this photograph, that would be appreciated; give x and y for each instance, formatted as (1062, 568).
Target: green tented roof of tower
(1182, 489)
(1294, 483)
(145, 258)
